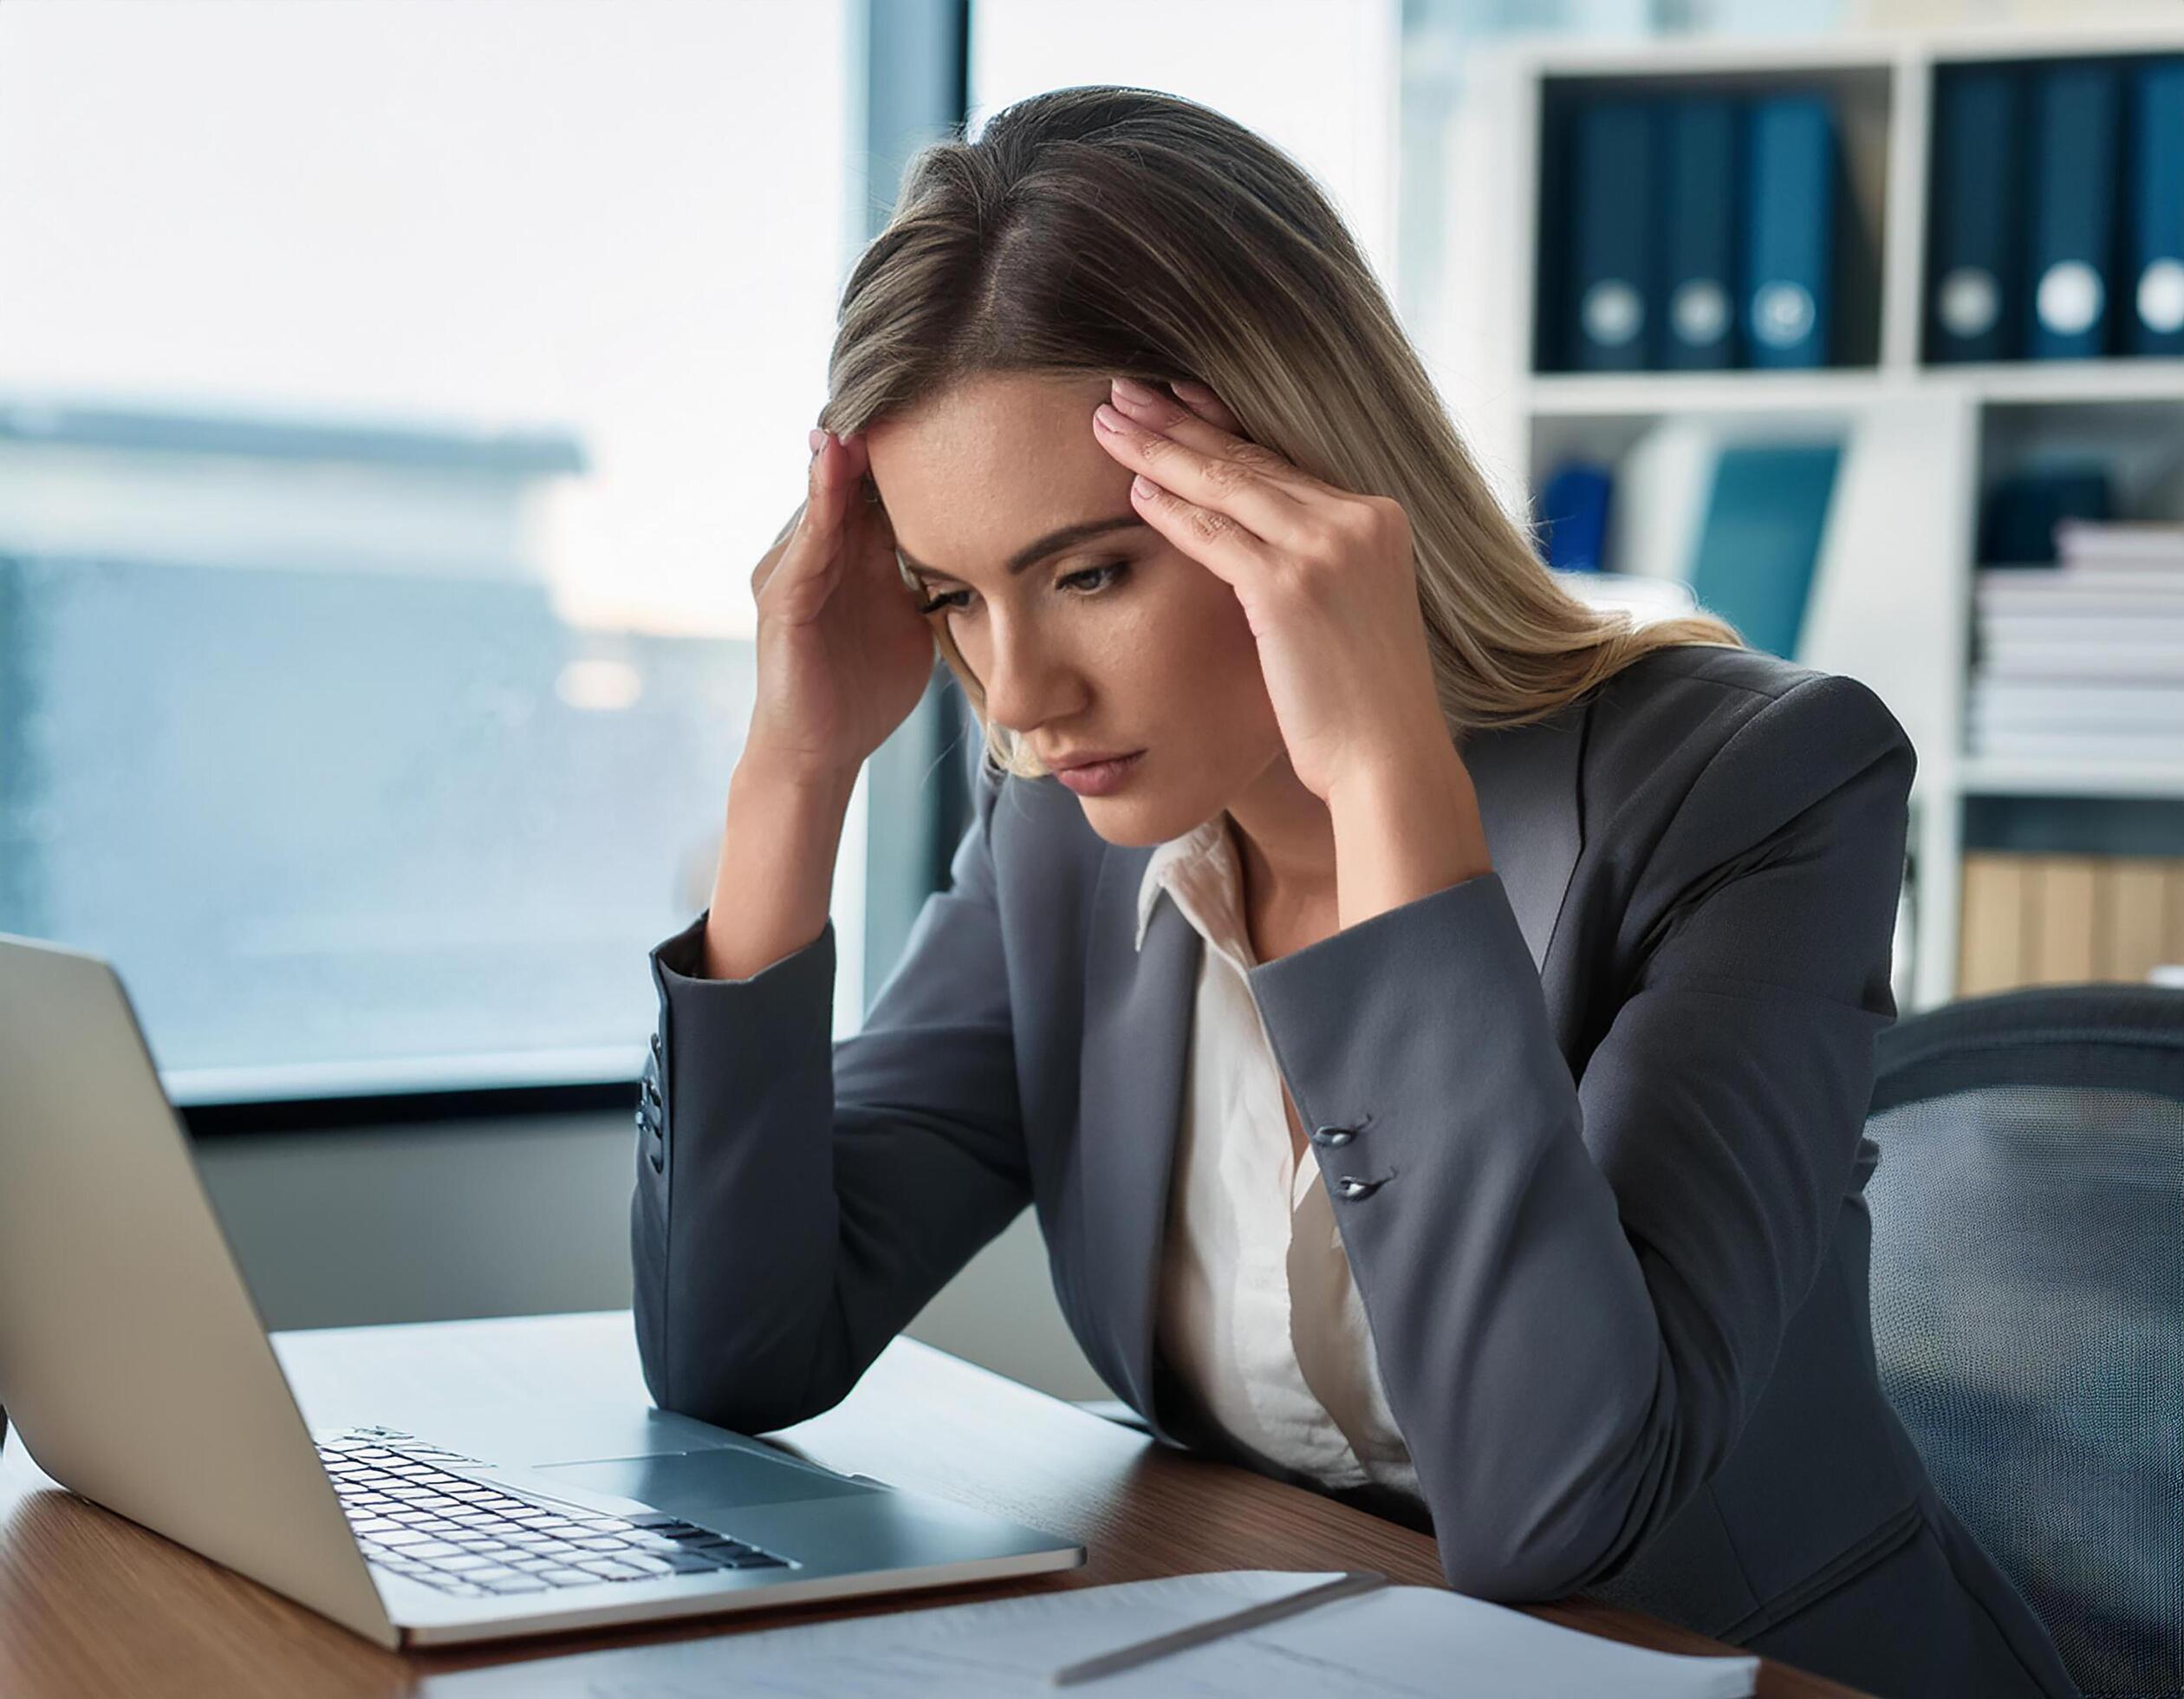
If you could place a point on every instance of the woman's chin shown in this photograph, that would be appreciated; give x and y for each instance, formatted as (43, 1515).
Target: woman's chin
(1136, 821)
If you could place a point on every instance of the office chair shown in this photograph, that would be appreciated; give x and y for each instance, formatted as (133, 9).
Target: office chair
(2028, 1301)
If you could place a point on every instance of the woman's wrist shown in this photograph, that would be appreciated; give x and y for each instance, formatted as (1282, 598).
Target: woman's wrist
(776, 879)
(1405, 827)
(779, 772)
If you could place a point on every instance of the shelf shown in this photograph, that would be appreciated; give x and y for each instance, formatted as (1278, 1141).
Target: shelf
(2015, 383)
(2006, 776)
(2034, 381)
(1547, 54)
(1613, 395)
(1550, 55)
(1923, 446)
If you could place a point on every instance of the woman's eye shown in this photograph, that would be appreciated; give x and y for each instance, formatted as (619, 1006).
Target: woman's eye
(1094, 579)
(1088, 581)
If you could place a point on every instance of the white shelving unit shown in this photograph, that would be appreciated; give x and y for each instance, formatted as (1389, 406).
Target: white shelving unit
(1892, 590)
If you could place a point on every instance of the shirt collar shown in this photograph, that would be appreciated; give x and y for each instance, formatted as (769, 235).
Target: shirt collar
(1168, 858)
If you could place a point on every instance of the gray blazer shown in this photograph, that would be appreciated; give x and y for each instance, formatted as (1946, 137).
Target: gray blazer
(1592, 1124)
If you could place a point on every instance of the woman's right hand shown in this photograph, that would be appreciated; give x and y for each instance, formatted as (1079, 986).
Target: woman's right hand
(844, 652)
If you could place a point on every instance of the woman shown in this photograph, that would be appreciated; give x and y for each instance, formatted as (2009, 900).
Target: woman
(1559, 946)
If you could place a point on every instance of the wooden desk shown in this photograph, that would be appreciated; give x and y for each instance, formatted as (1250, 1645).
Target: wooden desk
(91, 1604)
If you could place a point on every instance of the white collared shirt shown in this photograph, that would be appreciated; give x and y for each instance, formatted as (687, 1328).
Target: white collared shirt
(1256, 1305)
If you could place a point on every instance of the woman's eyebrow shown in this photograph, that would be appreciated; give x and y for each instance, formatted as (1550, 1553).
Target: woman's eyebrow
(1032, 554)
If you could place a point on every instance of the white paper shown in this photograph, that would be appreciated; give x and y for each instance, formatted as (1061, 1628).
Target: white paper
(1415, 1642)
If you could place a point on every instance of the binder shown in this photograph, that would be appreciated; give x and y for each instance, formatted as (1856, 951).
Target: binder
(2153, 313)
(2018, 514)
(2062, 930)
(2075, 113)
(1573, 510)
(1975, 275)
(1788, 222)
(2132, 929)
(1612, 285)
(1699, 327)
(1761, 539)
(1990, 923)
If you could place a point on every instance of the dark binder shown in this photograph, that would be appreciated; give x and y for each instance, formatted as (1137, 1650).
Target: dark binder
(1573, 514)
(1760, 542)
(2072, 236)
(1975, 272)
(1698, 235)
(2152, 312)
(1610, 296)
(1789, 212)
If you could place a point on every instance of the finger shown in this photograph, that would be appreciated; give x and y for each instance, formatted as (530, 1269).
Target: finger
(1221, 484)
(826, 480)
(810, 524)
(1220, 543)
(1218, 438)
(1208, 405)
(771, 561)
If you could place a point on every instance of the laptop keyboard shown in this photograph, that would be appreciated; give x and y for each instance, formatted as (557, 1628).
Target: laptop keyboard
(416, 1518)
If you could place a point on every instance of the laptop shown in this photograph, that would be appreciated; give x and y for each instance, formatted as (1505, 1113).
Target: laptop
(138, 1374)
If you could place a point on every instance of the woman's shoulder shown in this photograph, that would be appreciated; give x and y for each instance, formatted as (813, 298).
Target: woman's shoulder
(1735, 729)
(1705, 695)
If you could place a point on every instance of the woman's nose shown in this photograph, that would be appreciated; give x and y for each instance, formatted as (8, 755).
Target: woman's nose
(1025, 685)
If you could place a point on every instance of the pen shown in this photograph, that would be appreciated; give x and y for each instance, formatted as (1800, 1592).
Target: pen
(1346, 1585)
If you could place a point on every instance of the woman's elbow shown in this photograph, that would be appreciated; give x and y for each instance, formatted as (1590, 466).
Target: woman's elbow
(1522, 1572)
(707, 1387)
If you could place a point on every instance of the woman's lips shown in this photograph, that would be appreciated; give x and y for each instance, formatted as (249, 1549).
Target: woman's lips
(1101, 778)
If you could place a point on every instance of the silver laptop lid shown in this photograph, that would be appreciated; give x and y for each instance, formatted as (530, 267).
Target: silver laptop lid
(133, 1362)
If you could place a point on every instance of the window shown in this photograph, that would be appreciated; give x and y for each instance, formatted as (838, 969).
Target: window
(394, 402)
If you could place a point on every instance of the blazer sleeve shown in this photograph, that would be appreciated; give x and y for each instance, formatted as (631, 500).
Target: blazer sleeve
(1577, 1289)
(802, 1199)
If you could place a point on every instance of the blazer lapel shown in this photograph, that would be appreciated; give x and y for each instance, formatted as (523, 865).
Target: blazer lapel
(1137, 1026)
(1526, 779)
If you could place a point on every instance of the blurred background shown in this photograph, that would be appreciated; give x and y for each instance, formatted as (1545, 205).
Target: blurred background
(395, 395)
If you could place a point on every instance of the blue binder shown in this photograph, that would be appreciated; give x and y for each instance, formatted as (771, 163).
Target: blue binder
(2069, 305)
(2152, 313)
(1789, 216)
(1975, 273)
(1610, 307)
(1761, 539)
(1573, 510)
(2019, 515)
(1699, 329)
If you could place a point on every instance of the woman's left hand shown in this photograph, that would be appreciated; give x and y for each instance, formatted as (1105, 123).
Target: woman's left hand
(1325, 577)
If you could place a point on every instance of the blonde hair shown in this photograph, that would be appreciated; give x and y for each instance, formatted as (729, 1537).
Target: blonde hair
(1100, 230)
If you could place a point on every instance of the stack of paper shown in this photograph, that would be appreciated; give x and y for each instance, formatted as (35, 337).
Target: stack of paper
(1411, 1642)
(2084, 659)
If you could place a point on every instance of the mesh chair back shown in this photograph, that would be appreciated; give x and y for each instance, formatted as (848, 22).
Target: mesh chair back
(2028, 1301)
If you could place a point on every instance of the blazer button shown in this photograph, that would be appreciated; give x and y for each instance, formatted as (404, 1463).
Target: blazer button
(1333, 1135)
(1350, 1187)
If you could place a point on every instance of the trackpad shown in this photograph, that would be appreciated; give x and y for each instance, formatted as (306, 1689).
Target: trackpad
(692, 1481)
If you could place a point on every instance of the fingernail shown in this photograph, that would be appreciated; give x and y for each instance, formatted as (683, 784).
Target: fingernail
(816, 437)
(1129, 389)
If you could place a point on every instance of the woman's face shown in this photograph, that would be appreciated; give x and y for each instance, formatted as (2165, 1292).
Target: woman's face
(1113, 643)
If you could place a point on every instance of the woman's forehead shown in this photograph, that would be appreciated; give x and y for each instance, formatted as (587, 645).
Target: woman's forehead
(974, 479)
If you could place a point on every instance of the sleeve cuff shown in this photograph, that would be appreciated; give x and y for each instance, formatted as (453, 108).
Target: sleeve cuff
(1403, 984)
(678, 964)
